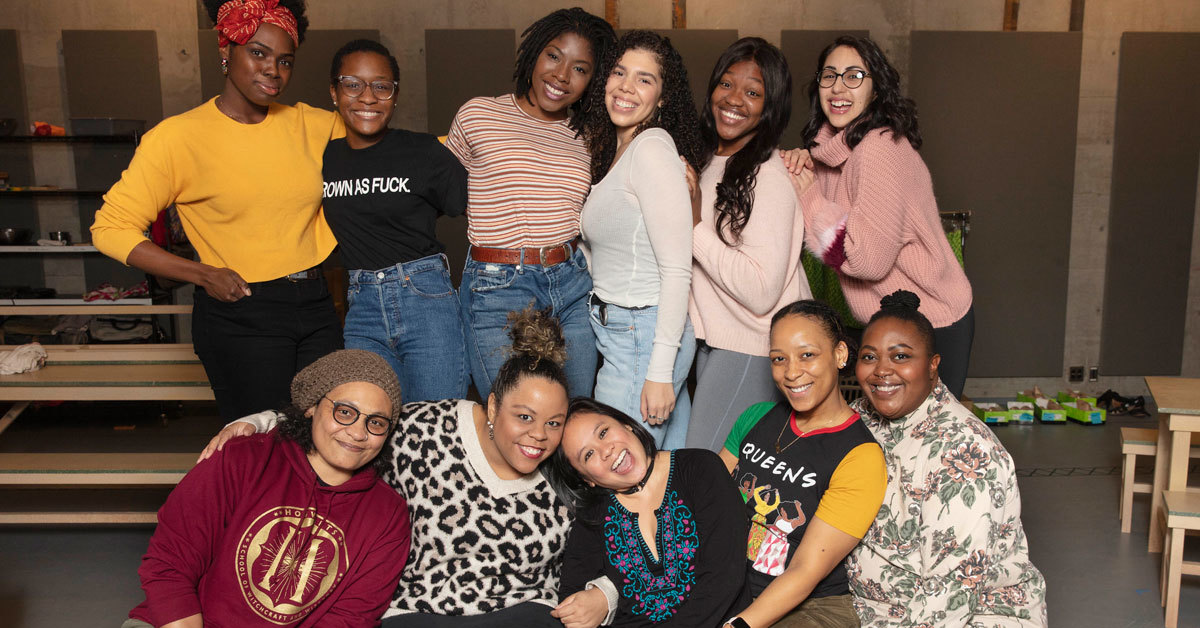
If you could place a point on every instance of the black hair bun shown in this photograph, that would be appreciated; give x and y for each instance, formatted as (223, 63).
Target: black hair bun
(900, 300)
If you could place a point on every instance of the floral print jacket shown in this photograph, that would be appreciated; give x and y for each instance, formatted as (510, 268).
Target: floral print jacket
(947, 547)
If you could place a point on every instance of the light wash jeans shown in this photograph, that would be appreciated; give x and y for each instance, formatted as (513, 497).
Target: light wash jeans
(490, 291)
(408, 314)
(625, 341)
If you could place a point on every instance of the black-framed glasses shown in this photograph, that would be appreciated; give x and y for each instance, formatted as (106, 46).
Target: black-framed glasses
(353, 87)
(850, 78)
(346, 414)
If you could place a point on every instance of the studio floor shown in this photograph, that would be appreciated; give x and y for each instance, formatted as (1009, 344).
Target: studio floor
(1069, 479)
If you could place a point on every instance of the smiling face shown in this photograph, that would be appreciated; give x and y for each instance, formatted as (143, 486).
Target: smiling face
(339, 451)
(633, 92)
(737, 105)
(560, 77)
(804, 363)
(365, 115)
(895, 367)
(527, 422)
(260, 69)
(841, 104)
(604, 452)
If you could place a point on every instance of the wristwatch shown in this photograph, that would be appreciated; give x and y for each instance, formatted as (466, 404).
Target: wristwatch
(737, 622)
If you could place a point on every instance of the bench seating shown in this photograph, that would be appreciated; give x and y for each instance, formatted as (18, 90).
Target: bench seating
(1180, 514)
(136, 372)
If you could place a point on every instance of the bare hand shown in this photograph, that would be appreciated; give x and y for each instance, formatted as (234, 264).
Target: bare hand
(796, 160)
(801, 182)
(233, 430)
(224, 284)
(658, 400)
(585, 609)
(693, 182)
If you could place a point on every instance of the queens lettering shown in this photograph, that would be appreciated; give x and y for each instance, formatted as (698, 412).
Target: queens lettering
(758, 456)
(366, 185)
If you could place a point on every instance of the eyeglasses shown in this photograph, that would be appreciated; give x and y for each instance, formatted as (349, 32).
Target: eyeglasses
(353, 87)
(850, 78)
(347, 414)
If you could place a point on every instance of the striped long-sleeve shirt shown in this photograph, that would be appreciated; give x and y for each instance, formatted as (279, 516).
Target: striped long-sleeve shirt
(527, 178)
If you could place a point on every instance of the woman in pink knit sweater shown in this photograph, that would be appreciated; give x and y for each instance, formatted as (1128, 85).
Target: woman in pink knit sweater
(747, 238)
(868, 201)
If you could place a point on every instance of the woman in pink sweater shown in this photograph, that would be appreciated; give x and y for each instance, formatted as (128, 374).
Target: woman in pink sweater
(747, 237)
(868, 201)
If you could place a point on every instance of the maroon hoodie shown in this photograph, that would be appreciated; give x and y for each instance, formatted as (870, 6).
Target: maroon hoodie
(251, 537)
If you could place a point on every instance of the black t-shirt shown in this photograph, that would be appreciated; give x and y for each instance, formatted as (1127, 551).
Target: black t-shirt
(382, 202)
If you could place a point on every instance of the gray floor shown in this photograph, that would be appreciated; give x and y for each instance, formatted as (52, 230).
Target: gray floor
(1069, 487)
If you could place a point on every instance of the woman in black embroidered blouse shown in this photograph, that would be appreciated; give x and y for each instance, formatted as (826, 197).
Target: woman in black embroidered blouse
(666, 528)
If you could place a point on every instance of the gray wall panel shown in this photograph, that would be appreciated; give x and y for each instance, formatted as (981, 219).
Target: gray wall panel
(1153, 204)
(998, 114)
(112, 74)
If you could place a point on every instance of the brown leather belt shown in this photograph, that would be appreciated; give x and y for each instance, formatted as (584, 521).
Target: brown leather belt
(539, 256)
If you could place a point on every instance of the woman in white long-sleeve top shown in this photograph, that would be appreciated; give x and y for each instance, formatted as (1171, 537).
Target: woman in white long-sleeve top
(635, 232)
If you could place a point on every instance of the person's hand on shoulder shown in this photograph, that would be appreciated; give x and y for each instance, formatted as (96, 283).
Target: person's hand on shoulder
(796, 160)
(233, 430)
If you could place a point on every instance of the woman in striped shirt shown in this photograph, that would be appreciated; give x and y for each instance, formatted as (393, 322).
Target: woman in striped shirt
(528, 174)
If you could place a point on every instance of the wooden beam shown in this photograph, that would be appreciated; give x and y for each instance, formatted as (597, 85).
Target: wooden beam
(611, 15)
(1010, 14)
(678, 13)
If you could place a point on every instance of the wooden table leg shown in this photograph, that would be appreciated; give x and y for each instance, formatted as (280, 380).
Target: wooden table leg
(15, 411)
(1177, 478)
(1161, 466)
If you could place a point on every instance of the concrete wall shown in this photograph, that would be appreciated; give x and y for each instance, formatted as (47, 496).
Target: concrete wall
(402, 25)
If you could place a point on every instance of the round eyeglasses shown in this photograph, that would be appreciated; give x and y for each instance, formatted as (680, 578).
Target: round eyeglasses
(347, 414)
(850, 78)
(353, 87)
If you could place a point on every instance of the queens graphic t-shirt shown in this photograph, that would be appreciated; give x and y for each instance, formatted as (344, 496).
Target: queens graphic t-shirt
(382, 202)
(787, 477)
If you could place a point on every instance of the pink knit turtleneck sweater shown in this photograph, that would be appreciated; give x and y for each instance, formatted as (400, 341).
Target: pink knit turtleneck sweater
(881, 194)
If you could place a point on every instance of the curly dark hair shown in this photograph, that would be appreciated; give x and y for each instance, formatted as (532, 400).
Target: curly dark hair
(563, 477)
(735, 190)
(534, 40)
(361, 45)
(296, 427)
(905, 306)
(888, 109)
(821, 313)
(677, 115)
(538, 350)
(295, 6)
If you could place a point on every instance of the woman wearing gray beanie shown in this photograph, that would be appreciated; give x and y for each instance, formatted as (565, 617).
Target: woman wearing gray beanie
(292, 525)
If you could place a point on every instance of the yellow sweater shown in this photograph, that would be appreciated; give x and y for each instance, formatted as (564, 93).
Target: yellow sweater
(248, 195)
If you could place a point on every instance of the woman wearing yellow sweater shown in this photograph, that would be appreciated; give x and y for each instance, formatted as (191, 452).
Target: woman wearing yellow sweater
(244, 173)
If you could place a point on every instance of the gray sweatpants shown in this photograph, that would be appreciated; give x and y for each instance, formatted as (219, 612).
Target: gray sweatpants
(727, 382)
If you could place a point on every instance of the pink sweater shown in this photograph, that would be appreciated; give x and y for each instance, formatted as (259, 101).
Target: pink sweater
(881, 194)
(736, 289)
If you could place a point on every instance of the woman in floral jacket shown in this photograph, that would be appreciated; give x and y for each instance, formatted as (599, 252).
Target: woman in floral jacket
(947, 548)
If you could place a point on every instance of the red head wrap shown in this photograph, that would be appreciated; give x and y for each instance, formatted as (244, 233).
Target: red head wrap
(238, 20)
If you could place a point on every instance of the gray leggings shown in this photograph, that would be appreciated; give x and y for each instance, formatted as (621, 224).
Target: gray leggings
(727, 382)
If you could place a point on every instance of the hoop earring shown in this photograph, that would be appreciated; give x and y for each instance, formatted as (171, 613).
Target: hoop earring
(224, 66)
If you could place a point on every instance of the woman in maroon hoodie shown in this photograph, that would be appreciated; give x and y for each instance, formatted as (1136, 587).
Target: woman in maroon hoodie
(293, 527)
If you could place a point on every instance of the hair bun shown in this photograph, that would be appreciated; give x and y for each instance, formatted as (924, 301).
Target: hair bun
(537, 335)
(900, 300)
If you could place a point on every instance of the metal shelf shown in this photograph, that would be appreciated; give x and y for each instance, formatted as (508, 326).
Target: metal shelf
(74, 248)
(58, 192)
(70, 139)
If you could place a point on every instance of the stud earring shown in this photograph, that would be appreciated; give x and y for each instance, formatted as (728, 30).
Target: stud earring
(842, 365)
(491, 430)
(224, 66)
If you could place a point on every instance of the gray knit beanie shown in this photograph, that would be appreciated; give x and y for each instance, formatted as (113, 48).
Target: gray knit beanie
(341, 367)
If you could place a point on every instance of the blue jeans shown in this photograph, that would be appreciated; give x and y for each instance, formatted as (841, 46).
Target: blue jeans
(490, 291)
(626, 340)
(408, 314)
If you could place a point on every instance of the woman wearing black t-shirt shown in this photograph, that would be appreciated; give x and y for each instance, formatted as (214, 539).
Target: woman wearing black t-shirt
(384, 190)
